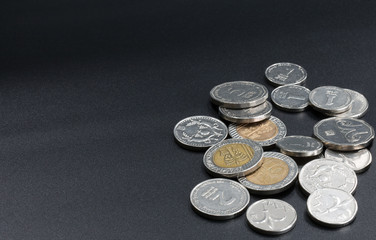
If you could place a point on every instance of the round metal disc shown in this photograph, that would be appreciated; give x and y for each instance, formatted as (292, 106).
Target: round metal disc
(330, 99)
(359, 161)
(292, 98)
(247, 115)
(300, 146)
(285, 73)
(358, 106)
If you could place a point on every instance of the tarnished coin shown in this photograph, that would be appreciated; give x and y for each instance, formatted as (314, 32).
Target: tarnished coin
(292, 98)
(266, 133)
(285, 73)
(240, 94)
(300, 146)
(330, 99)
(271, 216)
(326, 173)
(358, 106)
(344, 134)
(247, 115)
(332, 207)
(219, 198)
(233, 158)
(199, 132)
(277, 173)
(358, 161)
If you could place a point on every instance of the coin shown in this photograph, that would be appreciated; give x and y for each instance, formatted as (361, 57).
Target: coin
(247, 115)
(332, 207)
(293, 98)
(330, 99)
(199, 132)
(358, 106)
(326, 173)
(219, 198)
(271, 216)
(266, 133)
(285, 73)
(277, 173)
(300, 146)
(344, 134)
(239, 94)
(358, 161)
(233, 158)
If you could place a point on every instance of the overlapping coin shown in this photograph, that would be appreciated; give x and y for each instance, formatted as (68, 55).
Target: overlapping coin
(359, 160)
(300, 146)
(330, 99)
(247, 115)
(358, 106)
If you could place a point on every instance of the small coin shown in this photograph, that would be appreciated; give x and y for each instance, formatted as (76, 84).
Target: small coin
(358, 107)
(277, 173)
(266, 133)
(239, 94)
(292, 98)
(330, 99)
(358, 161)
(326, 173)
(199, 132)
(285, 73)
(344, 134)
(247, 115)
(271, 216)
(332, 207)
(300, 146)
(219, 198)
(233, 158)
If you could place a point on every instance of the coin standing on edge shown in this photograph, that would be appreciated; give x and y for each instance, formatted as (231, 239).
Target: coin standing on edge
(300, 146)
(358, 106)
(292, 98)
(247, 115)
(330, 99)
(359, 161)
(285, 73)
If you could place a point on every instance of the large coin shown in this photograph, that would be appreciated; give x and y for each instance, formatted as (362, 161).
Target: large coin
(219, 198)
(330, 99)
(247, 115)
(239, 94)
(358, 107)
(344, 134)
(292, 98)
(199, 132)
(233, 158)
(285, 73)
(300, 146)
(358, 161)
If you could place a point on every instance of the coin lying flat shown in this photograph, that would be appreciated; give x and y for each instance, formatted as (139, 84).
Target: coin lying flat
(332, 207)
(271, 216)
(285, 73)
(199, 132)
(247, 115)
(344, 134)
(326, 173)
(300, 146)
(358, 161)
(219, 198)
(292, 98)
(358, 107)
(233, 158)
(330, 99)
(239, 94)
(266, 133)
(277, 173)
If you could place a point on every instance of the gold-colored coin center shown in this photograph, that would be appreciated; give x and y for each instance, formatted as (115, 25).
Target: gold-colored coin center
(233, 155)
(272, 170)
(260, 131)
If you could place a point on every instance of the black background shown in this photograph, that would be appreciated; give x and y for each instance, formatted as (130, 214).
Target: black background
(90, 92)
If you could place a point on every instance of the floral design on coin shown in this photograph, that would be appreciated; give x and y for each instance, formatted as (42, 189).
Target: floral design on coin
(358, 161)
(293, 98)
(300, 146)
(285, 73)
(358, 106)
(247, 115)
(330, 99)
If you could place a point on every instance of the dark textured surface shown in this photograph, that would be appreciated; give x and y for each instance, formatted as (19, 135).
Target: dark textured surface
(91, 90)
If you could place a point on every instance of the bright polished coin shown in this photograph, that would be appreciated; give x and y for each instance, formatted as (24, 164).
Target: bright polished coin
(359, 161)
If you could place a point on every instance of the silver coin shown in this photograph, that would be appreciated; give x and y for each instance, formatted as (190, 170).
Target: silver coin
(219, 198)
(358, 106)
(330, 99)
(293, 98)
(239, 94)
(233, 158)
(271, 216)
(300, 146)
(285, 73)
(359, 161)
(266, 133)
(326, 173)
(277, 173)
(332, 207)
(199, 132)
(344, 134)
(247, 115)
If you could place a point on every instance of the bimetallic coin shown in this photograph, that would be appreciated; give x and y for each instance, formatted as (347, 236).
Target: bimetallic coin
(326, 173)
(233, 158)
(300, 146)
(247, 115)
(240, 94)
(285, 73)
(358, 106)
(219, 198)
(344, 134)
(271, 216)
(277, 173)
(199, 132)
(330, 99)
(292, 98)
(266, 133)
(359, 161)
(332, 207)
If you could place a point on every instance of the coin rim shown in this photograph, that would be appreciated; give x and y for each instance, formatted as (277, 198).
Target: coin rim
(265, 114)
